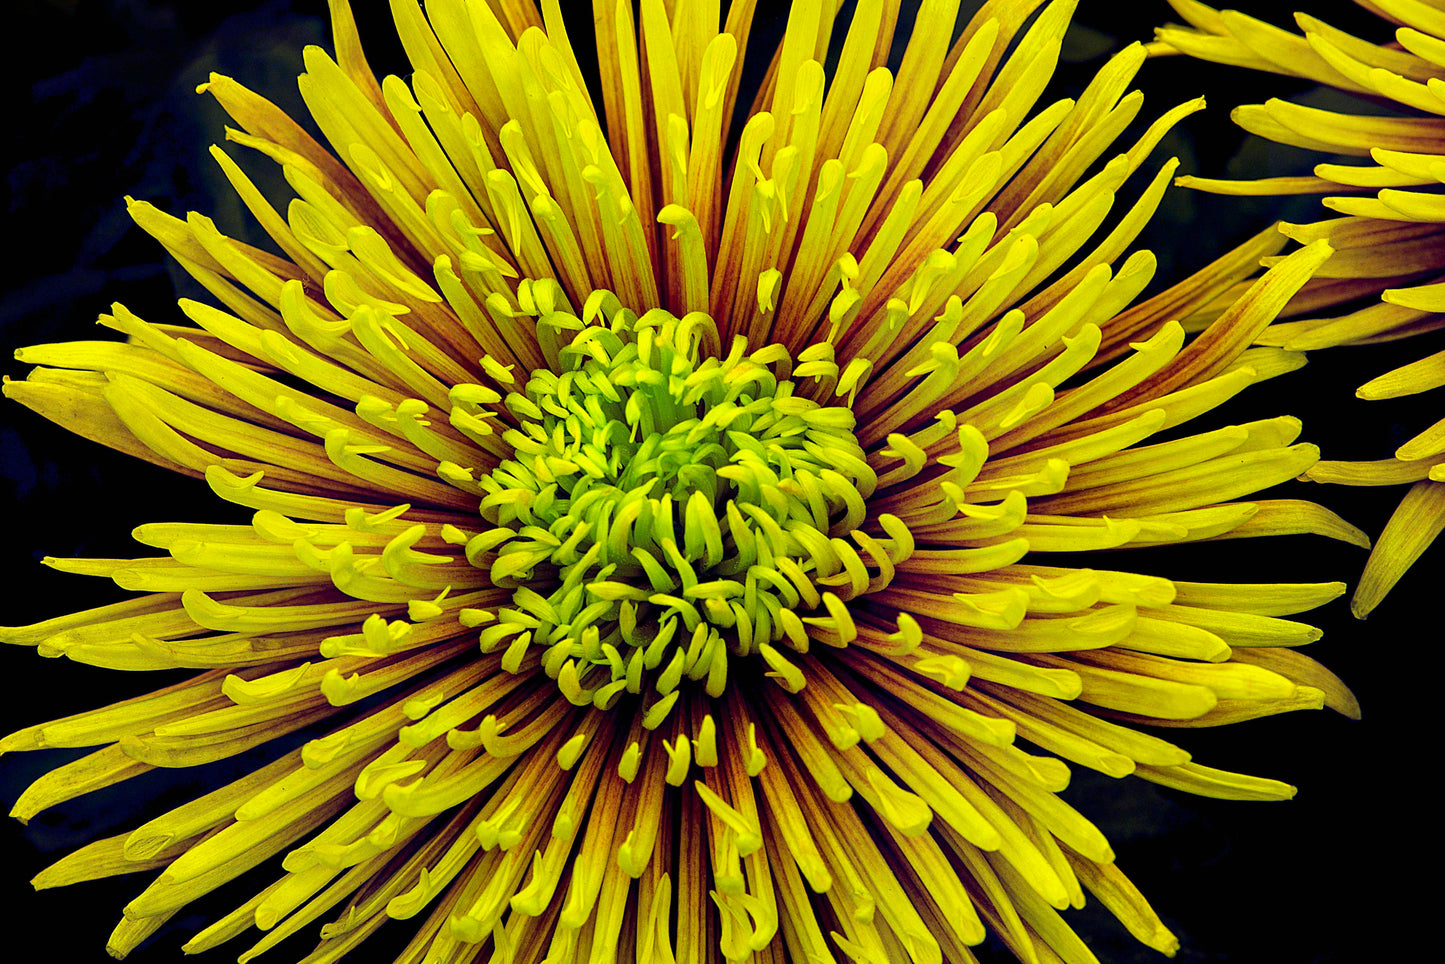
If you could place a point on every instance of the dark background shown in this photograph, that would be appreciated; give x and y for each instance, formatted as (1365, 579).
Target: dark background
(101, 105)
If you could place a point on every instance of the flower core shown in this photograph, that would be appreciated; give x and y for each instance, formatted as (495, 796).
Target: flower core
(677, 506)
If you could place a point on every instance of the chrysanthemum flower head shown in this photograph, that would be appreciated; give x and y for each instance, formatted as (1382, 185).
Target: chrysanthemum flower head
(664, 521)
(1387, 236)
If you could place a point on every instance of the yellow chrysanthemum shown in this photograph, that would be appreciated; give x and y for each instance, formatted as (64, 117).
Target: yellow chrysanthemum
(739, 438)
(1389, 239)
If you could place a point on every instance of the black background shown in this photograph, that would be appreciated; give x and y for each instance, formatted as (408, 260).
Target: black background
(101, 105)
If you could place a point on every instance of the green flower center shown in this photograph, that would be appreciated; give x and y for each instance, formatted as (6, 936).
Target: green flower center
(667, 509)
